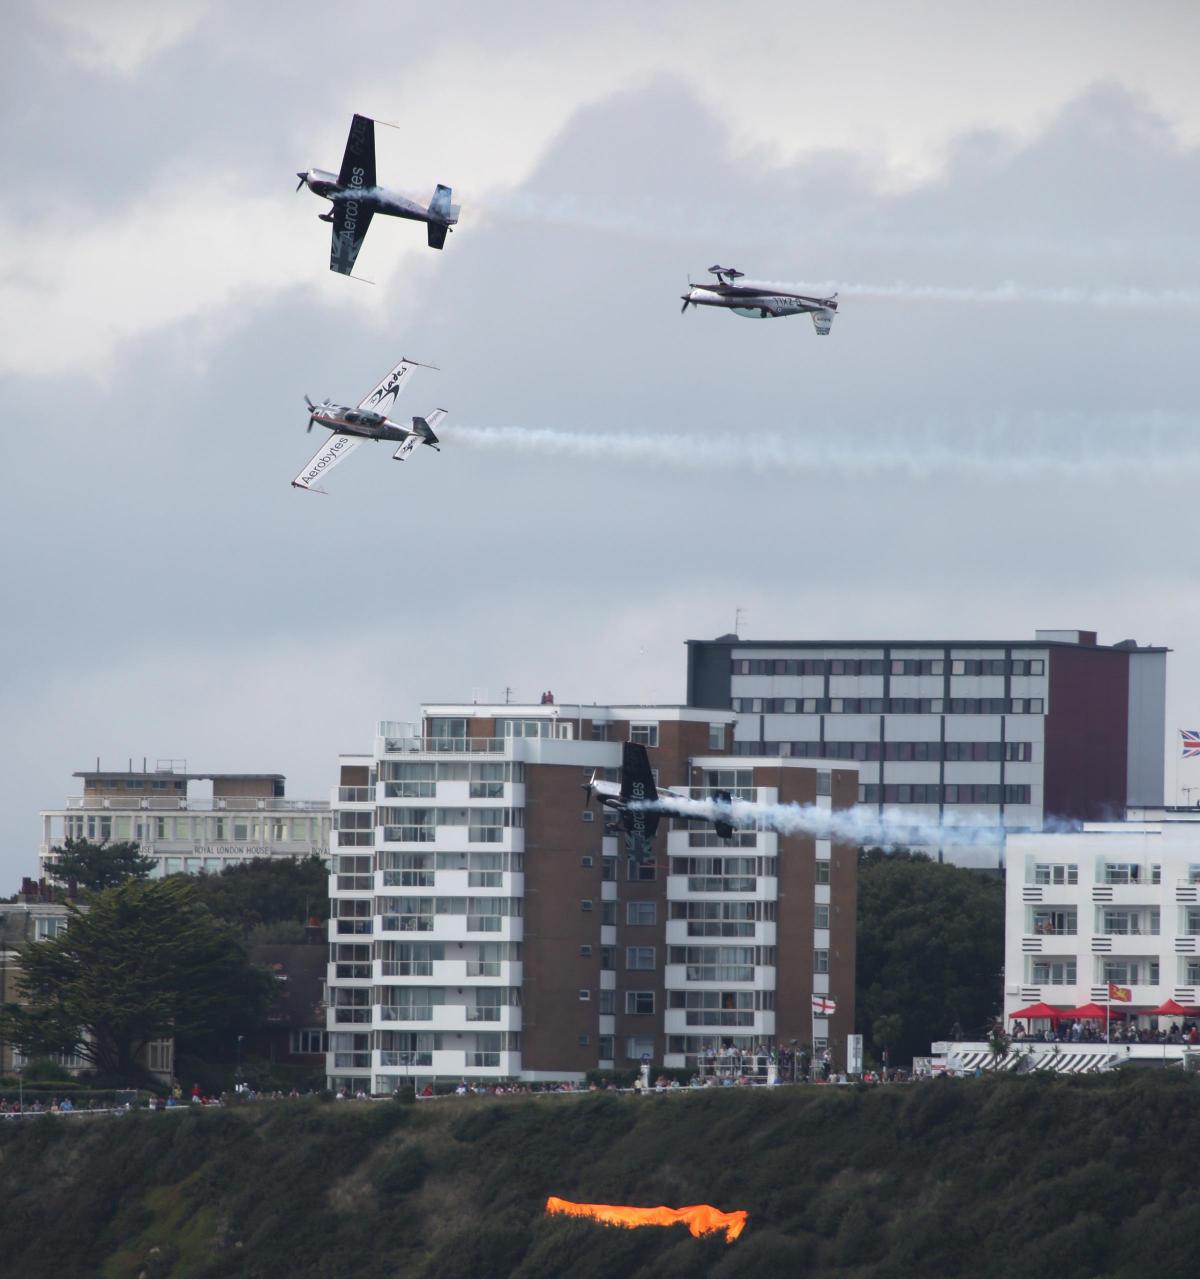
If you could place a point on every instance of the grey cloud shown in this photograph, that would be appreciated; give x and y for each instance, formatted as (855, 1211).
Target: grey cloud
(156, 528)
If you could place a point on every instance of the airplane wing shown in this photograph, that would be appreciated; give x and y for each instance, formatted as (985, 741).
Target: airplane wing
(351, 218)
(382, 398)
(358, 162)
(325, 459)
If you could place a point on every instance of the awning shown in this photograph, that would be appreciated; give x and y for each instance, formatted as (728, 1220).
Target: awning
(1170, 1009)
(1040, 1012)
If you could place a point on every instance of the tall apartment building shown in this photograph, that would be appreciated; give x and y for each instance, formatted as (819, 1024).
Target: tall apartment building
(1016, 732)
(190, 822)
(485, 924)
(1113, 902)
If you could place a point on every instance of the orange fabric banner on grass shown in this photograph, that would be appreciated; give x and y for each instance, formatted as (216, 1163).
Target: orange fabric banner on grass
(700, 1219)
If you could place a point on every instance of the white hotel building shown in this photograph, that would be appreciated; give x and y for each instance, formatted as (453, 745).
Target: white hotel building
(189, 822)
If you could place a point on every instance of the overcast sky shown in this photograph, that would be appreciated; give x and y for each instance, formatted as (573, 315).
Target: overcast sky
(1000, 433)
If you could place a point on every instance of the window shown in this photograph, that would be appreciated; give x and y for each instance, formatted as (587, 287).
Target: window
(640, 870)
(1054, 972)
(716, 735)
(584, 1040)
(306, 1042)
(605, 1047)
(608, 913)
(1055, 874)
(585, 952)
(820, 916)
(641, 913)
(608, 1003)
(608, 959)
(824, 782)
(820, 961)
(639, 1003)
(644, 734)
(638, 1047)
(585, 995)
(586, 904)
(585, 861)
(822, 872)
(599, 731)
(639, 958)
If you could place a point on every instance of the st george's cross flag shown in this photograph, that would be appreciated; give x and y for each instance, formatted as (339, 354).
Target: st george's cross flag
(823, 1006)
(1191, 742)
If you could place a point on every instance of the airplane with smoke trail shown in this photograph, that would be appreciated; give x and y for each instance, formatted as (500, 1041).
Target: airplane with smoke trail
(368, 421)
(759, 301)
(356, 199)
(639, 803)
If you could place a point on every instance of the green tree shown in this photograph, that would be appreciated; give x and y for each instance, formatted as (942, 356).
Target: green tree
(98, 866)
(143, 961)
(268, 890)
(930, 950)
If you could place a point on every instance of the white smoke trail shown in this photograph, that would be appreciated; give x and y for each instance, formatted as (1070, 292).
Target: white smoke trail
(1149, 445)
(890, 829)
(1106, 296)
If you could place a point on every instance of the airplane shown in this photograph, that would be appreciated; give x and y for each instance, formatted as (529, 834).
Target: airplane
(369, 421)
(758, 301)
(356, 199)
(637, 787)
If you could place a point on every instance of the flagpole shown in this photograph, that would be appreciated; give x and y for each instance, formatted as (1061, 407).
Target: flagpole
(1108, 1013)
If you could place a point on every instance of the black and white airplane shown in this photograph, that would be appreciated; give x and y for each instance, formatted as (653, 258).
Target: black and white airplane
(639, 802)
(369, 421)
(759, 301)
(356, 199)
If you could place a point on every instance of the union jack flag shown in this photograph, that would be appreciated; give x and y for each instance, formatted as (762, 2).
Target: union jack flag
(1191, 742)
(823, 1006)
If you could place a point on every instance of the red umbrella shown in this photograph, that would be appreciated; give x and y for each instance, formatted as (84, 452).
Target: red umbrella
(1090, 1012)
(1039, 1011)
(1170, 1009)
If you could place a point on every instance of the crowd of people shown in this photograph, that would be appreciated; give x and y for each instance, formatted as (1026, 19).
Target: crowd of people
(1092, 1032)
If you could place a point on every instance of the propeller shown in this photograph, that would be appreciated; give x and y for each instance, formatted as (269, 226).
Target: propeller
(684, 307)
(589, 786)
(311, 419)
(303, 178)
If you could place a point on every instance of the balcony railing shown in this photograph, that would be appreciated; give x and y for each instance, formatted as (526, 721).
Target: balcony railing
(355, 883)
(484, 923)
(483, 1014)
(361, 927)
(461, 745)
(352, 972)
(482, 1059)
(351, 1014)
(721, 883)
(404, 1012)
(720, 928)
(354, 1061)
(221, 804)
(356, 794)
(407, 967)
(415, 1058)
(483, 968)
(721, 1017)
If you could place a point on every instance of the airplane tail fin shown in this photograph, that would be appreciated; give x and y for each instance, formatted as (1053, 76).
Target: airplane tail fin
(422, 433)
(442, 216)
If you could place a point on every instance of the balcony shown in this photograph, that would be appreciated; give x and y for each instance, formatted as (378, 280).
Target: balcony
(177, 803)
(447, 745)
(451, 972)
(356, 794)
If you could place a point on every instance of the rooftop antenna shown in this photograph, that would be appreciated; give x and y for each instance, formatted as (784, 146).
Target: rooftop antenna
(738, 614)
(507, 696)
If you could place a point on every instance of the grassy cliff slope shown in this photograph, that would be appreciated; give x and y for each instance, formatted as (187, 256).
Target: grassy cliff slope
(991, 1177)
